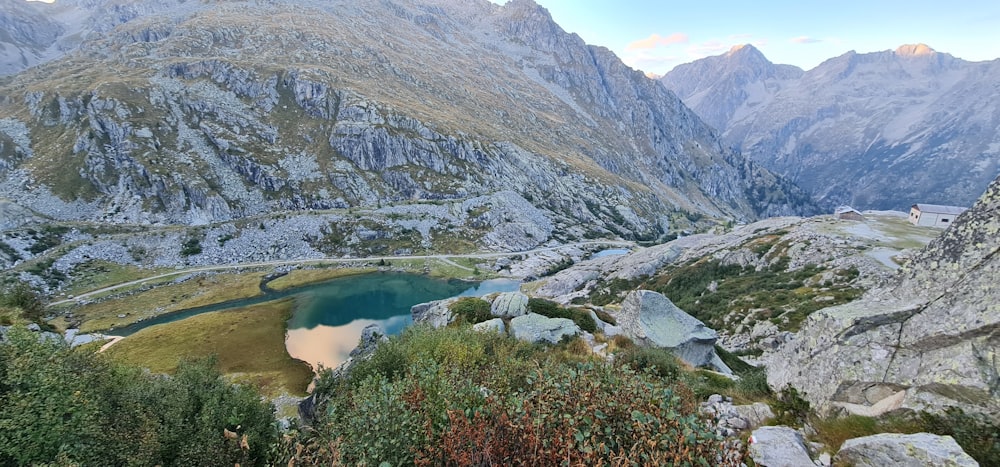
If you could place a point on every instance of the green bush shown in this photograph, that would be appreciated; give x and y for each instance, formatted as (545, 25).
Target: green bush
(58, 405)
(24, 300)
(790, 407)
(978, 435)
(471, 310)
(191, 247)
(500, 402)
(552, 309)
(660, 362)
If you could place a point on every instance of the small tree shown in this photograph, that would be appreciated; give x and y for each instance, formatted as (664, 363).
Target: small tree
(22, 297)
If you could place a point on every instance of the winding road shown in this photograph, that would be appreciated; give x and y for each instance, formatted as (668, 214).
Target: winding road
(444, 257)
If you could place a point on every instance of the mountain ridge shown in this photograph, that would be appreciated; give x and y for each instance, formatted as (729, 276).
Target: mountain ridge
(204, 113)
(880, 130)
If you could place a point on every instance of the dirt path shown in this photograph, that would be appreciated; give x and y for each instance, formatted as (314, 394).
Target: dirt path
(444, 258)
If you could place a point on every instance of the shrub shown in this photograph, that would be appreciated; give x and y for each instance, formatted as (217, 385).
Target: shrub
(504, 403)
(660, 362)
(59, 405)
(191, 247)
(24, 299)
(552, 309)
(584, 414)
(791, 408)
(471, 310)
(978, 435)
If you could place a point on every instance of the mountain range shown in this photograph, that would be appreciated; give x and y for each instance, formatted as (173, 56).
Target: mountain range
(881, 130)
(202, 112)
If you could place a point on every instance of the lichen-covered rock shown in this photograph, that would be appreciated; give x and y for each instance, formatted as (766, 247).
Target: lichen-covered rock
(371, 336)
(509, 305)
(916, 450)
(534, 327)
(933, 333)
(652, 319)
(779, 446)
(436, 313)
(493, 325)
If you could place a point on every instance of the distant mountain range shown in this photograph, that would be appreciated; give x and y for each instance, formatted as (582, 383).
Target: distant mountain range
(880, 130)
(199, 112)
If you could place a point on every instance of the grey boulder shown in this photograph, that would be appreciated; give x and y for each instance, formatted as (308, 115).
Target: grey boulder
(494, 325)
(779, 446)
(650, 318)
(509, 305)
(436, 313)
(892, 449)
(534, 327)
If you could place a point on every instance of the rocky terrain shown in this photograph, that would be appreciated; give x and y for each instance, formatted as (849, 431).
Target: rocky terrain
(200, 113)
(880, 130)
(756, 283)
(926, 340)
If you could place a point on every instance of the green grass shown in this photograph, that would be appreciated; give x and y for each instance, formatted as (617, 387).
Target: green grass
(301, 277)
(780, 293)
(195, 292)
(96, 274)
(248, 342)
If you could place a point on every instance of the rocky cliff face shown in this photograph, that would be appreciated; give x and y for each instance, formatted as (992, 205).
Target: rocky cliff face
(195, 113)
(929, 340)
(880, 130)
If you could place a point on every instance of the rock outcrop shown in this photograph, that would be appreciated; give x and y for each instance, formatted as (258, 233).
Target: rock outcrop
(916, 450)
(435, 314)
(509, 305)
(651, 319)
(779, 446)
(534, 327)
(933, 333)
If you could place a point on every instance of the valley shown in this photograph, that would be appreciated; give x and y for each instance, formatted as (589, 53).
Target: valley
(429, 232)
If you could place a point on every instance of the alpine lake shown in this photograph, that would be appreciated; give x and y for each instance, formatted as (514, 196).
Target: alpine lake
(328, 317)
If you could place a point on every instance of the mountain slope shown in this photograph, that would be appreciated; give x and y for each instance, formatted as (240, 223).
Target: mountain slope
(726, 87)
(926, 341)
(881, 130)
(204, 112)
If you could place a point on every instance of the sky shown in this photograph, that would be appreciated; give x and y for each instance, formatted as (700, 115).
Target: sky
(656, 35)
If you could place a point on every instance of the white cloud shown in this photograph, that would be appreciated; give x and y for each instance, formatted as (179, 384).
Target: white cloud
(805, 40)
(656, 40)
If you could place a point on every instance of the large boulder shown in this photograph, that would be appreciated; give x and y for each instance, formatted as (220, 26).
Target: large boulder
(534, 327)
(894, 449)
(651, 319)
(435, 313)
(932, 333)
(509, 305)
(779, 446)
(494, 325)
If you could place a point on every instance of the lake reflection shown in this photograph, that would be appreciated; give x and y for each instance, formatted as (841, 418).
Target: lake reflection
(328, 320)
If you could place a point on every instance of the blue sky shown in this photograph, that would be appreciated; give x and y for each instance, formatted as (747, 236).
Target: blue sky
(654, 36)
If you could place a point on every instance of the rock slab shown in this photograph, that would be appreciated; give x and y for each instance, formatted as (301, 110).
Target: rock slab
(652, 319)
(509, 305)
(494, 325)
(779, 446)
(436, 313)
(916, 450)
(534, 327)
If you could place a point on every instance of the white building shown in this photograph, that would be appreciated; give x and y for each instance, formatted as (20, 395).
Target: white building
(933, 215)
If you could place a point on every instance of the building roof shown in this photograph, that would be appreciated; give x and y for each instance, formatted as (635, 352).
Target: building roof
(845, 209)
(938, 209)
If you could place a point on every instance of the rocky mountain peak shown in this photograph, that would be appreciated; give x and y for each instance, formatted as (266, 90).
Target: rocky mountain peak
(862, 129)
(914, 50)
